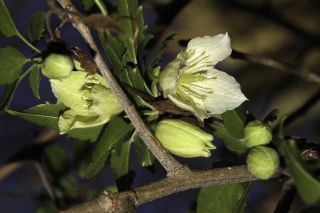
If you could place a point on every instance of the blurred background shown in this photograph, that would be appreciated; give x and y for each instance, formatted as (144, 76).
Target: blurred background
(285, 30)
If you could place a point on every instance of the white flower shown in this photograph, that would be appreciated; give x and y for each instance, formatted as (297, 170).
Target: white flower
(192, 83)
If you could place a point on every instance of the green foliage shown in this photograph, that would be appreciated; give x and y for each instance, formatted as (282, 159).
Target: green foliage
(232, 131)
(234, 121)
(12, 62)
(87, 4)
(146, 157)
(45, 115)
(111, 137)
(34, 81)
(307, 185)
(7, 27)
(57, 159)
(120, 159)
(36, 25)
(227, 198)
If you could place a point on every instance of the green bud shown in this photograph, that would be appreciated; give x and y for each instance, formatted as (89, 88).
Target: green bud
(57, 66)
(263, 162)
(184, 139)
(257, 133)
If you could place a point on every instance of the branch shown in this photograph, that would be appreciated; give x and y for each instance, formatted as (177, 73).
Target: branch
(129, 200)
(172, 166)
(286, 67)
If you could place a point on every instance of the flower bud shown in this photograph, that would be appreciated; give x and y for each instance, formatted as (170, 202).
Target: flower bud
(184, 139)
(257, 133)
(263, 162)
(57, 66)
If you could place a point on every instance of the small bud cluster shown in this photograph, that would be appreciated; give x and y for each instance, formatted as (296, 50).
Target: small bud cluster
(262, 161)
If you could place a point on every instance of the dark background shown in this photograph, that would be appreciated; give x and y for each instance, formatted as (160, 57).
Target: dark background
(280, 29)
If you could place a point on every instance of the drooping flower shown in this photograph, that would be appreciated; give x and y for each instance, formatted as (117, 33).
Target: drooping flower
(184, 139)
(192, 82)
(89, 98)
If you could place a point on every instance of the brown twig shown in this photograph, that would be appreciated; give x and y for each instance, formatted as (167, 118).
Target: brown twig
(172, 166)
(126, 201)
(286, 67)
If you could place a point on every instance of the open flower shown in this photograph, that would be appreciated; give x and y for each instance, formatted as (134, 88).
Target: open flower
(192, 83)
(89, 98)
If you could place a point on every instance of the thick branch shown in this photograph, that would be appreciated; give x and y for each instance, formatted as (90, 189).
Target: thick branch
(172, 166)
(300, 72)
(120, 201)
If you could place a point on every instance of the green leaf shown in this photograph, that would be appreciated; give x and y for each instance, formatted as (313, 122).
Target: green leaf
(90, 134)
(128, 8)
(228, 198)
(56, 159)
(114, 133)
(115, 51)
(46, 207)
(45, 115)
(234, 121)
(145, 155)
(7, 27)
(232, 143)
(34, 80)
(37, 25)
(119, 160)
(7, 96)
(87, 4)
(12, 62)
(307, 185)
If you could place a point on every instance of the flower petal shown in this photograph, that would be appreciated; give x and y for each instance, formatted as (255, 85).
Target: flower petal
(71, 120)
(168, 77)
(226, 94)
(216, 48)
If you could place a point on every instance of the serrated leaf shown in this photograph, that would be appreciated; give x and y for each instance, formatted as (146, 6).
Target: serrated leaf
(234, 121)
(119, 160)
(307, 185)
(36, 25)
(12, 62)
(233, 144)
(114, 133)
(155, 61)
(34, 81)
(7, 26)
(227, 198)
(45, 115)
(146, 157)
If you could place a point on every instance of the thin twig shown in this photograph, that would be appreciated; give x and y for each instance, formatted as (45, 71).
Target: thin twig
(122, 202)
(172, 166)
(44, 179)
(286, 67)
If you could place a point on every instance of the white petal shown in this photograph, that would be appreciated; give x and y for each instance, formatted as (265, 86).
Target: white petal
(168, 77)
(226, 94)
(216, 48)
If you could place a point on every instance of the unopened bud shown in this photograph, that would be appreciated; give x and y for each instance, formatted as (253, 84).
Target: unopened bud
(263, 162)
(257, 133)
(57, 66)
(184, 139)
